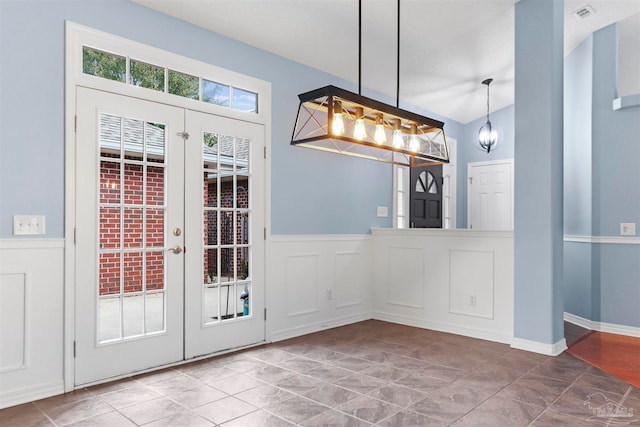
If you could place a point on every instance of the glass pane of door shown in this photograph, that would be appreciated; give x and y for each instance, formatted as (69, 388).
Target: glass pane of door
(225, 204)
(132, 211)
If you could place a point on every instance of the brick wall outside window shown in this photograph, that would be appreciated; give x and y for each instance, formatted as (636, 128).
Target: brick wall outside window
(130, 236)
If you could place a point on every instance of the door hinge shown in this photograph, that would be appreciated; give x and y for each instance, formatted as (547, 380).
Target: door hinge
(265, 233)
(265, 314)
(74, 236)
(184, 135)
(75, 123)
(74, 349)
(265, 153)
(470, 180)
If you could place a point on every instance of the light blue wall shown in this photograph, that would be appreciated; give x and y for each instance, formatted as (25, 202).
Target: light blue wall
(577, 139)
(616, 144)
(578, 83)
(602, 176)
(312, 192)
(538, 117)
(616, 180)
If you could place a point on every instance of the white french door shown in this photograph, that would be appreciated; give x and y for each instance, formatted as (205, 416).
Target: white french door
(169, 249)
(224, 276)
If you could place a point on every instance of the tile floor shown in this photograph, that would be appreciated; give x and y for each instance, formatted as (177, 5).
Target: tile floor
(367, 373)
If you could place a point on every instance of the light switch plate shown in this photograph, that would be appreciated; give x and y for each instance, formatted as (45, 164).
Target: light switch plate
(383, 212)
(627, 228)
(28, 224)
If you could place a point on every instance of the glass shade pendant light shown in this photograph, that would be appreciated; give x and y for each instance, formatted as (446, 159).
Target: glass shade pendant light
(414, 142)
(398, 140)
(380, 137)
(488, 136)
(337, 125)
(359, 131)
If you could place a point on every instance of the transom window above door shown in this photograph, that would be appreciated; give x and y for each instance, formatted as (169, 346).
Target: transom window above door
(131, 71)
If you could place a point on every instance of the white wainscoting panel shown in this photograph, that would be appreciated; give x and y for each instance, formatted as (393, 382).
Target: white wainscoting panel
(454, 265)
(317, 282)
(350, 286)
(14, 333)
(405, 276)
(31, 333)
(471, 283)
(301, 284)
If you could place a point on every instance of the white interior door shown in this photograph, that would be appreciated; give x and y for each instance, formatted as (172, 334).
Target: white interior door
(168, 235)
(224, 277)
(490, 195)
(129, 194)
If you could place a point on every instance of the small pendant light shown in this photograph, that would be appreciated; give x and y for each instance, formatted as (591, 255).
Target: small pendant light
(488, 135)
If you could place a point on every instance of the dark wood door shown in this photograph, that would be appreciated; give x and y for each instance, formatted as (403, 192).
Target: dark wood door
(426, 197)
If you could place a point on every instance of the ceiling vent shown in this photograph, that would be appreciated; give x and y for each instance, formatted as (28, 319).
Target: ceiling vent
(584, 12)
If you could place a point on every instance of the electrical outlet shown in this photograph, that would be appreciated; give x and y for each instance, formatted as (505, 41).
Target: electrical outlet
(472, 300)
(627, 228)
(382, 212)
(28, 224)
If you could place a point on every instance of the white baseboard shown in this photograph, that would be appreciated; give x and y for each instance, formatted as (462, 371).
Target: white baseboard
(612, 328)
(310, 328)
(30, 394)
(443, 327)
(539, 347)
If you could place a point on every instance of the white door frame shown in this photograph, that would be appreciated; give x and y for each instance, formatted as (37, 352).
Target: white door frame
(77, 36)
(470, 165)
(450, 185)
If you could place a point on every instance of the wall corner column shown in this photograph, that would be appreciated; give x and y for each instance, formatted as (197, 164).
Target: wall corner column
(538, 211)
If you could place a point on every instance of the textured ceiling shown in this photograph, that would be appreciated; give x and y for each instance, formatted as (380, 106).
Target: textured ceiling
(447, 46)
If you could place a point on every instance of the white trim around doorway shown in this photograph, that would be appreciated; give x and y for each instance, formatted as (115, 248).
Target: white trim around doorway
(77, 36)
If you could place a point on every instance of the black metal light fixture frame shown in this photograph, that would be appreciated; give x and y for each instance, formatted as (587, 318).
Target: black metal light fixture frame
(488, 136)
(369, 129)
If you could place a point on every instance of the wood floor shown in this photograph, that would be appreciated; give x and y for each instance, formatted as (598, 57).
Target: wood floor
(618, 355)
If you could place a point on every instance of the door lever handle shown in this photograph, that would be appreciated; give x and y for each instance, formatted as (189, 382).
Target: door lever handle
(176, 249)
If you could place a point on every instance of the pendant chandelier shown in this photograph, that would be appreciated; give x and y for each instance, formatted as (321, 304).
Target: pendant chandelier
(488, 135)
(339, 121)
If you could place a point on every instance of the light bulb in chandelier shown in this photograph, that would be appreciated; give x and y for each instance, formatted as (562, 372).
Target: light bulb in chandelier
(414, 141)
(398, 140)
(337, 124)
(380, 136)
(359, 131)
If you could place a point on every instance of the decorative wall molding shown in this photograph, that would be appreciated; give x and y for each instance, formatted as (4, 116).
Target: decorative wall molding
(309, 328)
(316, 282)
(28, 243)
(301, 283)
(471, 273)
(286, 238)
(440, 232)
(433, 296)
(349, 266)
(14, 320)
(611, 328)
(406, 266)
(539, 347)
(30, 393)
(32, 274)
(615, 240)
(628, 101)
(467, 330)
